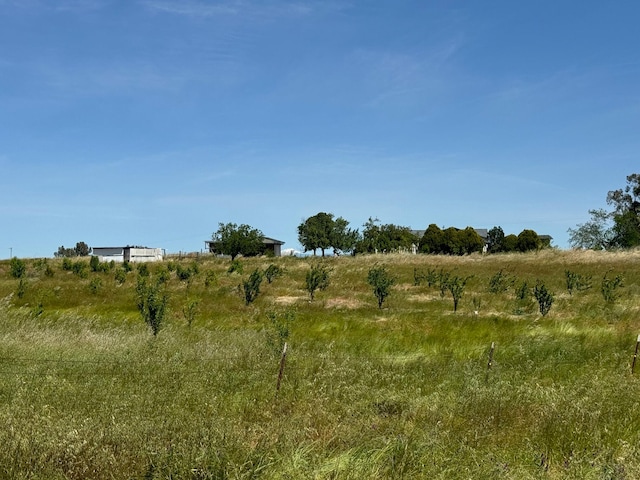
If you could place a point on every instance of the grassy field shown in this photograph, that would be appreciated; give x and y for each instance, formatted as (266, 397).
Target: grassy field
(87, 391)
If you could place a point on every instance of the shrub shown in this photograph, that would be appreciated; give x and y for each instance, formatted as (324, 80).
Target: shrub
(94, 263)
(418, 277)
(67, 264)
(152, 303)
(456, 286)
(22, 288)
(190, 310)
(120, 276)
(94, 285)
(236, 266)
(79, 268)
(210, 278)
(277, 334)
(252, 286)
(272, 272)
(543, 297)
(576, 281)
(317, 279)
(500, 282)
(143, 270)
(609, 287)
(381, 282)
(18, 267)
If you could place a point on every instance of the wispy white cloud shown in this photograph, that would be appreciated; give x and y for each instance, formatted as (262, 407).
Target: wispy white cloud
(55, 6)
(245, 8)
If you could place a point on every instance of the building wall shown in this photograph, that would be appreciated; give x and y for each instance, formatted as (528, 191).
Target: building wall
(140, 255)
(106, 254)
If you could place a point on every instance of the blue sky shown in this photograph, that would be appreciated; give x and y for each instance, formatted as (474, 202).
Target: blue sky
(148, 122)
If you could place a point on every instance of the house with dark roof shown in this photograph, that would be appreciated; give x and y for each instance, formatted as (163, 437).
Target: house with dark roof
(271, 246)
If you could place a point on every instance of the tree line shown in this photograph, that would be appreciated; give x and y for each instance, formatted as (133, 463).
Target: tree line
(618, 228)
(324, 232)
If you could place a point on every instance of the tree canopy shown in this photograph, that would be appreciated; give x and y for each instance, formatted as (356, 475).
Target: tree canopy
(80, 250)
(385, 238)
(619, 228)
(232, 239)
(321, 231)
(450, 241)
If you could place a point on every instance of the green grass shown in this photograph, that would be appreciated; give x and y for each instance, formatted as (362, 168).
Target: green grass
(86, 391)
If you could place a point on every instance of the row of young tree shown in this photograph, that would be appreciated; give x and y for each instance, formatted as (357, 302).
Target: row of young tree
(615, 229)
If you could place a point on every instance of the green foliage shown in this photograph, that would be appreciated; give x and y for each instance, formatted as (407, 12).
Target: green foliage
(80, 250)
(183, 273)
(543, 297)
(528, 240)
(278, 331)
(190, 310)
(94, 263)
(456, 285)
(451, 241)
(317, 278)
(321, 231)
(210, 278)
(152, 303)
(577, 281)
(272, 272)
(523, 291)
(80, 268)
(251, 287)
(127, 266)
(22, 288)
(596, 234)
(385, 238)
(381, 282)
(232, 239)
(495, 240)
(501, 282)
(94, 285)
(609, 287)
(120, 276)
(418, 277)
(48, 271)
(510, 243)
(143, 269)
(18, 267)
(235, 267)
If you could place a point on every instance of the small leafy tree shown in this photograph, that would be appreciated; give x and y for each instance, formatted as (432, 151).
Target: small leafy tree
(577, 281)
(94, 263)
(236, 267)
(609, 287)
(190, 310)
(22, 288)
(17, 267)
(273, 271)
(317, 279)
(251, 286)
(152, 303)
(381, 282)
(232, 239)
(456, 286)
(500, 282)
(543, 296)
(279, 329)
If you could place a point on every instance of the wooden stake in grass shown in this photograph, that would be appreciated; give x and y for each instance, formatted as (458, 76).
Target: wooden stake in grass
(490, 363)
(635, 355)
(282, 361)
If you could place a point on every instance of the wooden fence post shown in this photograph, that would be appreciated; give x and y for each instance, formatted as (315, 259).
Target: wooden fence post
(635, 355)
(490, 363)
(282, 360)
